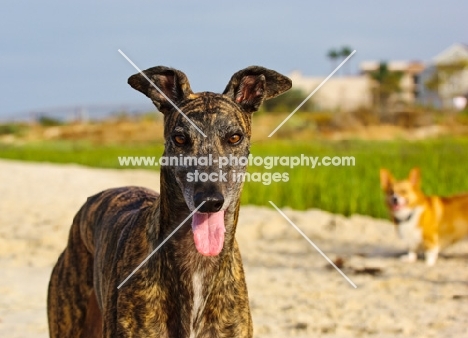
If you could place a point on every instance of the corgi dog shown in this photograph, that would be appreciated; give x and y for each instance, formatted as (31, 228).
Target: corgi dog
(425, 223)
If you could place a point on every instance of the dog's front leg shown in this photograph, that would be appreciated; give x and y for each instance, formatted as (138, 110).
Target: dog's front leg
(135, 308)
(410, 257)
(134, 314)
(431, 255)
(431, 248)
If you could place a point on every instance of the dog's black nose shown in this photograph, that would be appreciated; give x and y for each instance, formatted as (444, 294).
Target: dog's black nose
(213, 201)
(394, 200)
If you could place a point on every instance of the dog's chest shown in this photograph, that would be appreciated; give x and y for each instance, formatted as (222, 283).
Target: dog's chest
(197, 301)
(410, 231)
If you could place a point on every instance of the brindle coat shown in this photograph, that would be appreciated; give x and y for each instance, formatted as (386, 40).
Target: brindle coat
(178, 292)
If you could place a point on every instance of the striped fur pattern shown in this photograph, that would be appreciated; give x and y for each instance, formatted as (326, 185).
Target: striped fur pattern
(178, 292)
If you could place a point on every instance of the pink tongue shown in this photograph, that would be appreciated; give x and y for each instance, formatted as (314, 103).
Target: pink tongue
(208, 232)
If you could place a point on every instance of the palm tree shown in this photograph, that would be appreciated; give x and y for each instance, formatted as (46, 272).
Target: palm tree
(344, 53)
(387, 83)
(333, 55)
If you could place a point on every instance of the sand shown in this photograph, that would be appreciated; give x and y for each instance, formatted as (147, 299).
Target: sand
(293, 290)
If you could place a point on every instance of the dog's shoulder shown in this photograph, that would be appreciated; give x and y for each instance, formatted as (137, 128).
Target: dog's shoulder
(106, 214)
(123, 196)
(116, 201)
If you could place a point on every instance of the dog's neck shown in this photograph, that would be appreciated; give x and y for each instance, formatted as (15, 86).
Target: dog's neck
(406, 218)
(173, 209)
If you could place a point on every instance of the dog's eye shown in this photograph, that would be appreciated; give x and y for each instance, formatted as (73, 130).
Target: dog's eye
(179, 140)
(235, 139)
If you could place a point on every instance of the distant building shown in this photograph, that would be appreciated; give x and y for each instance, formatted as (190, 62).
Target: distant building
(338, 93)
(347, 93)
(453, 83)
(409, 83)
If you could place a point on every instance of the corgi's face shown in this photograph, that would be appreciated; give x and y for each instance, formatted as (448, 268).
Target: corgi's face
(401, 196)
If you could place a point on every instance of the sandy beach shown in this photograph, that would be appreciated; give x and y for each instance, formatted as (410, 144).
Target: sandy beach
(293, 290)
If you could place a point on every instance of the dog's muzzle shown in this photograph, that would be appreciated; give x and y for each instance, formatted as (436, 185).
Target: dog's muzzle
(208, 222)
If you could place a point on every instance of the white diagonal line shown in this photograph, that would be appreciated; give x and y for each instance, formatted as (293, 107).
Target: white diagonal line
(312, 243)
(161, 92)
(310, 95)
(160, 245)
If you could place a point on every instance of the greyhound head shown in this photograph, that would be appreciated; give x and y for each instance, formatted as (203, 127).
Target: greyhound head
(206, 150)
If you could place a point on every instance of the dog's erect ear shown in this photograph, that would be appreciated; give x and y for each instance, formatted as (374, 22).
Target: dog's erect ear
(249, 87)
(172, 82)
(386, 179)
(415, 177)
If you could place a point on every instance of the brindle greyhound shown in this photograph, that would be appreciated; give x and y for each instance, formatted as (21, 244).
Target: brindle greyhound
(194, 285)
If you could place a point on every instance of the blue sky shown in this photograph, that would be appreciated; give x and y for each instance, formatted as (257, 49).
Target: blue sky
(54, 53)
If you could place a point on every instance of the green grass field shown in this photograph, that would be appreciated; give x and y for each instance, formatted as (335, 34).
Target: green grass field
(346, 190)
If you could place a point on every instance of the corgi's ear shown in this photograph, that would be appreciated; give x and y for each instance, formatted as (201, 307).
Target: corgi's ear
(415, 177)
(386, 179)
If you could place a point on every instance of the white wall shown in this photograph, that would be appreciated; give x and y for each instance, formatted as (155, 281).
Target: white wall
(338, 93)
